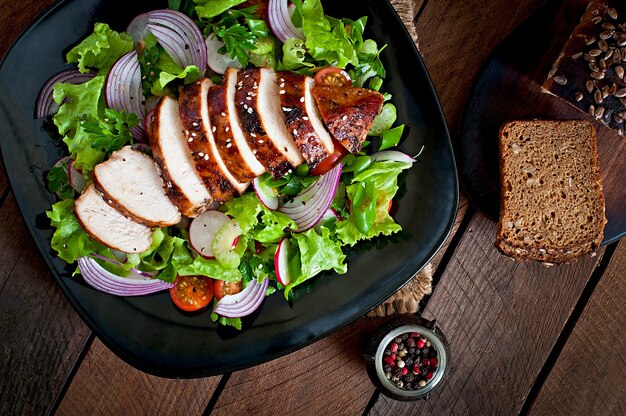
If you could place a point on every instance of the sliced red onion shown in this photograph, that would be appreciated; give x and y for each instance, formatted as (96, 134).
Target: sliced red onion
(75, 177)
(219, 62)
(45, 101)
(243, 303)
(308, 207)
(123, 90)
(176, 32)
(280, 21)
(105, 281)
(392, 156)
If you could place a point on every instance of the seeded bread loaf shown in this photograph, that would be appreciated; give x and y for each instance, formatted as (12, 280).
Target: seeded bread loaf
(589, 73)
(551, 206)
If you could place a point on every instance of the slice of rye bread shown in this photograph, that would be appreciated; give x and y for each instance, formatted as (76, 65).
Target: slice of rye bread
(552, 206)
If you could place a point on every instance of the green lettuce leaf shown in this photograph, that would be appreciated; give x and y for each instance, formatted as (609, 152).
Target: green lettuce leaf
(85, 156)
(210, 268)
(81, 100)
(326, 39)
(317, 252)
(207, 9)
(245, 210)
(384, 177)
(272, 227)
(100, 50)
(294, 54)
(69, 240)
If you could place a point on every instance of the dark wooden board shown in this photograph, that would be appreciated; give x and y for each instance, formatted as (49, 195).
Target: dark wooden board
(502, 319)
(589, 377)
(41, 336)
(105, 384)
(509, 89)
(328, 377)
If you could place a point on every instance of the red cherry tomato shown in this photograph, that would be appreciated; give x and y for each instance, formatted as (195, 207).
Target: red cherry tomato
(191, 293)
(330, 161)
(335, 77)
(223, 288)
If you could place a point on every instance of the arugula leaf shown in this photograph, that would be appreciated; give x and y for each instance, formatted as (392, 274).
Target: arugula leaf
(59, 181)
(100, 50)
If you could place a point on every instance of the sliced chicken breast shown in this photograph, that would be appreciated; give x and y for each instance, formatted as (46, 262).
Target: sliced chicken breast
(262, 122)
(302, 117)
(184, 186)
(129, 180)
(348, 112)
(194, 115)
(106, 225)
(239, 161)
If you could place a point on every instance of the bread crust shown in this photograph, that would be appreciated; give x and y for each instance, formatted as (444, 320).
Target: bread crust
(521, 249)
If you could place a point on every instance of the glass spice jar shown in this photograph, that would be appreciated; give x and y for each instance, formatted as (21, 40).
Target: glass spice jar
(407, 357)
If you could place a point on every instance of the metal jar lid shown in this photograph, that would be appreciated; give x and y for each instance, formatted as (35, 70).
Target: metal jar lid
(385, 335)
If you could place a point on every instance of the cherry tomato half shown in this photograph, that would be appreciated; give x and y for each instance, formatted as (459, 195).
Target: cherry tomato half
(191, 293)
(335, 77)
(223, 288)
(330, 161)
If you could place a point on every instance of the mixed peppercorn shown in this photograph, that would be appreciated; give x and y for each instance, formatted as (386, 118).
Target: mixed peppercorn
(410, 361)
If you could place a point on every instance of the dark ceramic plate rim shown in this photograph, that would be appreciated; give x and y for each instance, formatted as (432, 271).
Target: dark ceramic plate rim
(148, 364)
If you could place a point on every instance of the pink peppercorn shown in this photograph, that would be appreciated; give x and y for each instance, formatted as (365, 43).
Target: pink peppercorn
(434, 362)
(420, 344)
(393, 347)
(405, 371)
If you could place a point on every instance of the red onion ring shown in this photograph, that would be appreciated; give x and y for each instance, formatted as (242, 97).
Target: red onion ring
(105, 281)
(123, 90)
(308, 208)
(243, 303)
(45, 102)
(280, 21)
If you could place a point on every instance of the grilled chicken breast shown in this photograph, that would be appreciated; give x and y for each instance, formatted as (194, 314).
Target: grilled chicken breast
(108, 226)
(302, 117)
(129, 180)
(184, 186)
(348, 112)
(194, 115)
(258, 103)
(236, 154)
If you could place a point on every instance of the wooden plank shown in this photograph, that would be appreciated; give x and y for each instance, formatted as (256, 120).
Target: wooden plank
(15, 16)
(502, 319)
(590, 373)
(327, 377)
(40, 334)
(453, 57)
(104, 384)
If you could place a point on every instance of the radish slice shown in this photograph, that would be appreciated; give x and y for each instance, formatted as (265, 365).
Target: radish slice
(267, 195)
(76, 178)
(45, 101)
(134, 285)
(219, 62)
(392, 156)
(281, 262)
(308, 207)
(203, 229)
(243, 303)
(222, 244)
(280, 21)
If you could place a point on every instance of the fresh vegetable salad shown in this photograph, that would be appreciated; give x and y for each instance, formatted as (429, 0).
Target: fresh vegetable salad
(285, 228)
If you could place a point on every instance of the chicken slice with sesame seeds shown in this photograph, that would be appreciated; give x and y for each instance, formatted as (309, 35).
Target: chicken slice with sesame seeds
(348, 112)
(194, 115)
(129, 180)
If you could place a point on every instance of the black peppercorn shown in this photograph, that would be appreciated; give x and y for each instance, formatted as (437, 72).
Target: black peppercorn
(388, 368)
(400, 346)
(409, 378)
(410, 343)
(411, 350)
(425, 351)
(397, 372)
(387, 352)
(404, 336)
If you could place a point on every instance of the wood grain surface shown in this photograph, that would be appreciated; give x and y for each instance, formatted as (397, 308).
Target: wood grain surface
(503, 319)
(105, 384)
(589, 377)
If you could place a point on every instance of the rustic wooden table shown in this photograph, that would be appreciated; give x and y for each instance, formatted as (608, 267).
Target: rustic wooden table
(524, 338)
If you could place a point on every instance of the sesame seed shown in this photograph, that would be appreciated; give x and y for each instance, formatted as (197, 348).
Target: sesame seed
(223, 114)
(344, 118)
(245, 106)
(253, 134)
(229, 145)
(200, 154)
(194, 124)
(254, 151)
(287, 109)
(260, 141)
(227, 129)
(250, 110)
(214, 129)
(302, 99)
(295, 132)
(282, 80)
(190, 139)
(249, 98)
(247, 76)
(305, 118)
(282, 85)
(206, 157)
(281, 92)
(193, 134)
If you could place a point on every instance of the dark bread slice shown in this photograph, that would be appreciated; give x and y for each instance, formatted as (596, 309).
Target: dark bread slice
(589, 72)
(551, 206)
